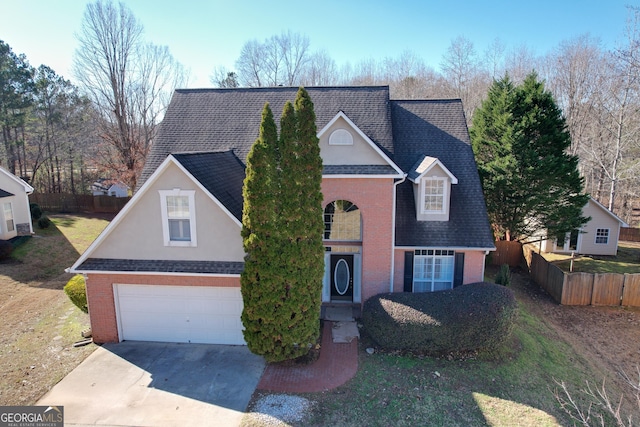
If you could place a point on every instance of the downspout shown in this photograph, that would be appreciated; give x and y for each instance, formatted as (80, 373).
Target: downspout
(484, 262)
(393, 231)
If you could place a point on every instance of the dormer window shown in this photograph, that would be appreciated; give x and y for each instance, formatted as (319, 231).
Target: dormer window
(340, 137)
(432, 188)
(434, 193)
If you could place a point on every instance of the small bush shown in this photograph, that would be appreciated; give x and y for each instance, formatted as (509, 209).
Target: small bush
(44, 222)
(5, 249)
(36, 211)
(470, 317)
(504, 275)
(76, 290)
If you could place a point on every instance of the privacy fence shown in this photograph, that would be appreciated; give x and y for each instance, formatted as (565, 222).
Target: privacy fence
(582, 288)
(630, 234)
(76, 203)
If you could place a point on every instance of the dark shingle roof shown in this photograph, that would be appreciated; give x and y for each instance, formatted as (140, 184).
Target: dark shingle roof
(164, 266)
(229, 119)
(358, 170)
(437, 128)
(4, 193)
(221, 173)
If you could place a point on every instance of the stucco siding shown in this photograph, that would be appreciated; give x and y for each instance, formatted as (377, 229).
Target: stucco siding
(360, 153)
(140, 236)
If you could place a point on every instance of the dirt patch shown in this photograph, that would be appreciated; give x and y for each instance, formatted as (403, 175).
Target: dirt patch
(607, 337)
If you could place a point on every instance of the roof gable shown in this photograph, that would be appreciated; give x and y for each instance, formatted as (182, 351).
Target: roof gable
(209, 120)
(15, 180)
(193, 162)
(600, 206)
(424, 165)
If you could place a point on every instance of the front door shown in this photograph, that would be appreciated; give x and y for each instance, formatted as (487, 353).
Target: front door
(342, 277)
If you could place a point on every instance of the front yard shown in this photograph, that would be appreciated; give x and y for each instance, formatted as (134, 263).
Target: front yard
(39, 323)
(513, 386)
(626, 261)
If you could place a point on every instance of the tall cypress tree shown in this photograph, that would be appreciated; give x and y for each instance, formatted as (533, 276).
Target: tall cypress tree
(259, 279)
(530, 182)
(282, 281)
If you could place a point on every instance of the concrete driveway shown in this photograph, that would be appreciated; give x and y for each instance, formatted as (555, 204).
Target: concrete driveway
(159, 384)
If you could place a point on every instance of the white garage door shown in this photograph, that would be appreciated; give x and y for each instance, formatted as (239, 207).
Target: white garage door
(192, 314)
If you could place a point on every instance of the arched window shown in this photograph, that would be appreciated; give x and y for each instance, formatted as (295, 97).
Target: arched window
(342, 221)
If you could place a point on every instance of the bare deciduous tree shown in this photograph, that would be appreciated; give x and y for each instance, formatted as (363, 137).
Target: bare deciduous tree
(128, 80)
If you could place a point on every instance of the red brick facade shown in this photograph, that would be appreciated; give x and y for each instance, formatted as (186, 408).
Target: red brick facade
(374, 198)
(102, 306)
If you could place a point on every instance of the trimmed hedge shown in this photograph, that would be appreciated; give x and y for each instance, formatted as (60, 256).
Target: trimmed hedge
(76, 290)
(470, 317)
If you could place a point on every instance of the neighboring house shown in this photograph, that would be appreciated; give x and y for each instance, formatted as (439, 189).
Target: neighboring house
(403, 211)
(599, 236)
(106, 187)
(15, 214)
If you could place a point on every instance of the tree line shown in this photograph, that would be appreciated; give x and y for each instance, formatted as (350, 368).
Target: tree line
(597, 90)
(61, 136)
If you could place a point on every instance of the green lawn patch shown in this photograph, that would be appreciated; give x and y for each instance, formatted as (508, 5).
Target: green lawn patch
(627, 260)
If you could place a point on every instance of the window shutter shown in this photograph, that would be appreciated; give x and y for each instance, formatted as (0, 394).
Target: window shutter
(408, 271)
(458, 272)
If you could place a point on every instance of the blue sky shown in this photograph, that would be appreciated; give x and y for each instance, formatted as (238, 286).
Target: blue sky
(208, 33)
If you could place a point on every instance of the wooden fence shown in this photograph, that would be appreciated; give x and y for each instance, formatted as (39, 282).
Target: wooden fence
(507, 252)
(75, 203)
(582, 288)
(630, 234)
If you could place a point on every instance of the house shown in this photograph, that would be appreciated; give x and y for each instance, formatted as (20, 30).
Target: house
(599, 236)
(15, 214)
(403, 211)
(106, 187)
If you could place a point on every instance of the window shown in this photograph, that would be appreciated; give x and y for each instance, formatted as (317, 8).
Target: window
(432, 270)
(340, 137)
(602, 236)
(8, 217)
(178, 217)
(342, 221)
(434, 195)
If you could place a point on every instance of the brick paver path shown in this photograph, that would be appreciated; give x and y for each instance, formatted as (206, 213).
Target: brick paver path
(337, 364)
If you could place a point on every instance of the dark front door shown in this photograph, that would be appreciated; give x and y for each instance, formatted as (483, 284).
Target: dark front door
(341, 277)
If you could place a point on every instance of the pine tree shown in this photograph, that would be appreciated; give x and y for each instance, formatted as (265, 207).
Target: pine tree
(530, 182)
(282, 232)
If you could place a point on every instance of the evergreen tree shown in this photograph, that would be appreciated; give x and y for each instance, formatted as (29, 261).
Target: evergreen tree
(282, 232)
(530, 182)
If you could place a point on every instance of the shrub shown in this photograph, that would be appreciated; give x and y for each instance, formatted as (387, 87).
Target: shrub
(76, 290)
(36, 211)
(504, 275)
(5, 249)
(470, 317)
(44, 222)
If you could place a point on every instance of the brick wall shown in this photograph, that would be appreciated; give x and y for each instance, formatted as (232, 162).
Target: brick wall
(374, 198)
(101, 302)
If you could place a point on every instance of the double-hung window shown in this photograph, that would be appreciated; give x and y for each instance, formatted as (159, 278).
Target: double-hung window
(8, 217)
(178, 217)
(434, 195)
(602, 236)
(432, 270)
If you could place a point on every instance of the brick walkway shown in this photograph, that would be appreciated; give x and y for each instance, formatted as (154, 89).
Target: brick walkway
(337, 364)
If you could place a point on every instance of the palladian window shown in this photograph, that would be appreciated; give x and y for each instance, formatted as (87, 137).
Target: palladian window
(342, 221)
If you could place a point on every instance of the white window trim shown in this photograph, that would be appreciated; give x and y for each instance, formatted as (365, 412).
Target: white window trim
(595, 240)
(12, 218)
(165, 219)
(432, 280)
(445, 194)
(336, 139)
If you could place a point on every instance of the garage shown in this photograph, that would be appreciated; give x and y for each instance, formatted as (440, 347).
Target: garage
(184, 314)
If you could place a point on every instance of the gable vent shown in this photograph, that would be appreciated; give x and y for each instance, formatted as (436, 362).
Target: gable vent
(341, 137)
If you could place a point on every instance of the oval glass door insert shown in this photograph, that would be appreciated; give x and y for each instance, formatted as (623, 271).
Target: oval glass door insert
(341, 277)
